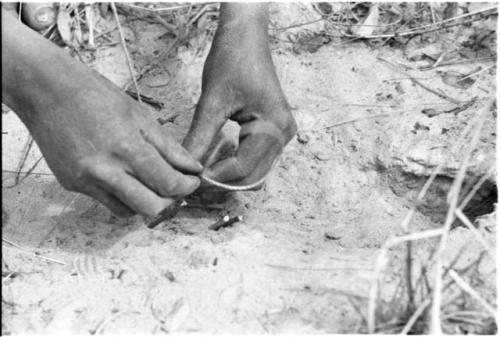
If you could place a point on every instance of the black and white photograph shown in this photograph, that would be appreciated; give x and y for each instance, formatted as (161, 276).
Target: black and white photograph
(249, 168)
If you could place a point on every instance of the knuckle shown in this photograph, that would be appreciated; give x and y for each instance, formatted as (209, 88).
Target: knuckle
(85, 167)
(171, 187)
(285, 121)
(90, 168)
(125, 147)
(290, 129)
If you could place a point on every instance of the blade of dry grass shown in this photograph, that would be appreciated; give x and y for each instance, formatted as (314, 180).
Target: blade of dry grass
(380, 264)
(89, 15)
(415, 316)
(125, 49)
(30, 170)
(33, 253)
(474, 231)
(22, 160)
(355, 120)
(476, 187)
(401, 71)
(453, 196)
(154, 10)
(25, 172)
(469, 290)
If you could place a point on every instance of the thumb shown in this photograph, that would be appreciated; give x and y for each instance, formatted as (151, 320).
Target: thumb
(260, 145)
(39, 15)
(209, 118)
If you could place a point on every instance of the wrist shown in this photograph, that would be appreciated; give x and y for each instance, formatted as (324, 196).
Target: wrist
(242, 24)
(34, 71)
(243, 13)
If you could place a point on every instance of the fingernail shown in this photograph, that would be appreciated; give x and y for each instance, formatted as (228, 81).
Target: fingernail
(194, 182)
(199, 167)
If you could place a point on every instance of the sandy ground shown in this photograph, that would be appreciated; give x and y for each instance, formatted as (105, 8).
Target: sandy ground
(302, 260)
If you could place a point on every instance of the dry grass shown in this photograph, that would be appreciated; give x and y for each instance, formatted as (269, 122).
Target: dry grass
(421, 308)
(417, 318)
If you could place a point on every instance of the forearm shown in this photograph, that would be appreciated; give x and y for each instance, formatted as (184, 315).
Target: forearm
(36, 74)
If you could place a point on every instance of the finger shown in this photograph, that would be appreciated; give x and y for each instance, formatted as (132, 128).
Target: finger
(208, 119)
(259, 146)
(129, 190)
(174, 153)
(39, 15)
(108, 200)
(252, 162)
(152, 170)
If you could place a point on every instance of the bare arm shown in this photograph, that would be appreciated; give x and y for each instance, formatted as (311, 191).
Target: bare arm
(95, 138)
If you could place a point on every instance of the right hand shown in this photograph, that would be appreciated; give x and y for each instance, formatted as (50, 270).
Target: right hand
(95, 138)
(240, 83)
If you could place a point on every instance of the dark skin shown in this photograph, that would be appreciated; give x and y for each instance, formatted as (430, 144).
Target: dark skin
(239, 82)
(100, 142)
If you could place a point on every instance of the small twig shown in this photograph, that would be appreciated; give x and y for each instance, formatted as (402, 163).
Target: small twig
(145, 99)
(9, 275)
(477, 72)
(296, 25)
(103, 34)
(198, 15)
(32, 168)
(451, 63)
(170, 27)
(124, 45)
(435, 92)
(355, 120)
(168, 119)
(226, 221)
(168, 213)
(27, 149)
(468, 289)
(210, 207)
(440, 59)
(461, 107)
(417, 82)
(49, 30)
(24, 172)
(33, 253)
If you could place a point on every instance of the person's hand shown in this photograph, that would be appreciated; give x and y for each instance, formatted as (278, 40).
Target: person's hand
(240, 83)
(95, 138)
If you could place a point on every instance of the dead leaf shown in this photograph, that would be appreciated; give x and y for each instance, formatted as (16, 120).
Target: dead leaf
(368, 26)
(456, 79)
(177, 315)
(64, 25)
(430, 112)
(104, 9)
